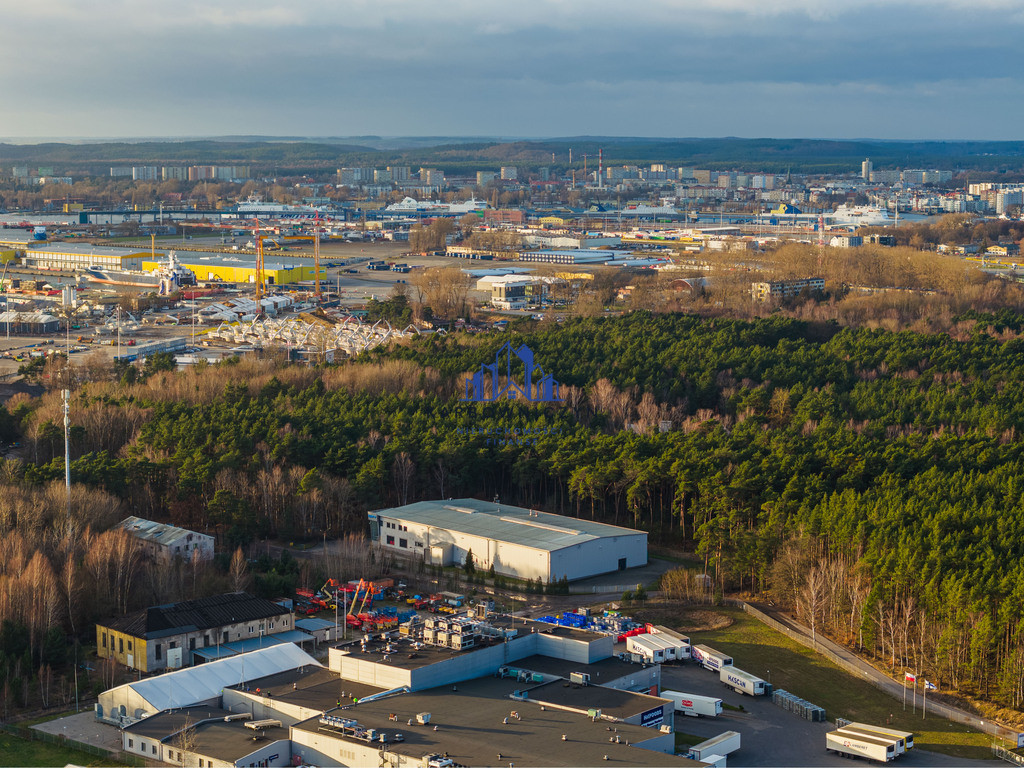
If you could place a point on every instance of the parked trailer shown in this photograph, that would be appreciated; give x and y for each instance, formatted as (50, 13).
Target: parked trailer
(709, 658)
(905, 738)
(722, 744)
(681, 642)
(742, 682)
(652, 653)
(856, 743)
(693, 705)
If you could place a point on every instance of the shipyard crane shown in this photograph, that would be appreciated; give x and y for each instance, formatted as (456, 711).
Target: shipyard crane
(316, 259)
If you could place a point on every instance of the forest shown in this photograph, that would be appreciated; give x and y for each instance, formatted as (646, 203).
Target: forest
(870, 479)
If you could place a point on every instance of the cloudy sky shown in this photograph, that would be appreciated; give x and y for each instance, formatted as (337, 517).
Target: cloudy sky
(937, 69)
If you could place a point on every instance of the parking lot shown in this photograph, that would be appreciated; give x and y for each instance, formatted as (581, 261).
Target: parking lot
(770, 736)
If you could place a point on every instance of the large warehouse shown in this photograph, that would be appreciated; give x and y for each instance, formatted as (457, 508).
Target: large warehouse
(518, 542)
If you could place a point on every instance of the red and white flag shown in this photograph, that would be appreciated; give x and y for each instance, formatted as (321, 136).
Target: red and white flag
(910, 677)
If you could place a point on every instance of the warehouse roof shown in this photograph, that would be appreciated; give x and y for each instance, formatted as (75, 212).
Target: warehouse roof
(516, 525)
(84, 249)
(160, 533)
(472, 729)
(193, 615)
(192, 685)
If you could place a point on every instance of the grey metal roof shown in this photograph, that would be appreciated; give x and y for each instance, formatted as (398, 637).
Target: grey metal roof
(160, 533)
(502, 522)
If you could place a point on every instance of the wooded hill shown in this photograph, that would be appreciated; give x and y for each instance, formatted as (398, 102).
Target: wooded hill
(872, 479)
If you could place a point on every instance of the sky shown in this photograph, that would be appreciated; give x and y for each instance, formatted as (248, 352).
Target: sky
(913, 69)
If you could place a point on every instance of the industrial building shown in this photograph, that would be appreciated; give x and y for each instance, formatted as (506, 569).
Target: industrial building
(485, 690)
(170, 636)
(168, 541)
(77, 256)
(196, 686)
(238, 269)
(783, 289)
(518, 542)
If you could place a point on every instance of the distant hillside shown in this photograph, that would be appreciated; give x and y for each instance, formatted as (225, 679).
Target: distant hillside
(462, 155)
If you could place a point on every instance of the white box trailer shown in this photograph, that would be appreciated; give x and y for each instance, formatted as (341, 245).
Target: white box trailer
(716, 761)
(694, 705)
(857, 743)
(653, 653)
(669, 645)
(742, 682)
(904, 739)
(709, 658)
(681, 643)
(722, 744)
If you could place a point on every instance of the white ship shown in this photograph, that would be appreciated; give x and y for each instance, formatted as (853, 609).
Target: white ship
(166, 278)
(643, 209)
(411, 205)
(253, 206)
(860, 216)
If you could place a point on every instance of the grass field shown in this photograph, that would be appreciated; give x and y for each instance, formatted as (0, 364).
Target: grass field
(15, 751)
(786, 664)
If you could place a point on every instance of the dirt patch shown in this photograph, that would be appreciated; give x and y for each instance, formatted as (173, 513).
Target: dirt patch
(683, 618)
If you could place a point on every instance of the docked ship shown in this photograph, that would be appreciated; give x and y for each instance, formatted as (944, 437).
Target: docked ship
(860, 216)
(254, 207)
(165, 279)
(412, 205)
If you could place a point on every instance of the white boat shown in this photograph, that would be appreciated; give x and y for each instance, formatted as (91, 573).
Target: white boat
(411, 205)
(254, 206)
(860, 216)
(166, 278)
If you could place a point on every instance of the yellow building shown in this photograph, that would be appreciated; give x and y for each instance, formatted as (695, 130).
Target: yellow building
(230, 269)
(166, 636)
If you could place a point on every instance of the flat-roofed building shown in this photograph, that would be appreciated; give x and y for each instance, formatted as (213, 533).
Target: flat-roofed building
(165, 636)
(168, 541)
(783, 289)
(519, 542)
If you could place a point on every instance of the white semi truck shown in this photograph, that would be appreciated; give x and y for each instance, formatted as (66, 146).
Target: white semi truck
(742, 682)
(709, 658)
(694, 705)
(854, 742)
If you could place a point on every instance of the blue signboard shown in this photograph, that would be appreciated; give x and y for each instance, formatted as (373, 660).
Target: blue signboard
(652, 717)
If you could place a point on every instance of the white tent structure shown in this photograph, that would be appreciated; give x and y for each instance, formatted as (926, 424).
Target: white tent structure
(197, 685)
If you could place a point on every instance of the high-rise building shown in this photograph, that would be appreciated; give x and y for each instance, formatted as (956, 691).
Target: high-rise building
(485, 177)
(170, 172)
(144, 173)
(865, 169)
(400, 172)
(432, 177)
(509, 173)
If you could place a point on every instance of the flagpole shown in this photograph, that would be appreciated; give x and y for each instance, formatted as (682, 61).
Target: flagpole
(904, 691)
(914, 695)
(924, 700)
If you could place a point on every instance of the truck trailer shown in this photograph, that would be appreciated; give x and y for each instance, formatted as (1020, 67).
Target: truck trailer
(742, 682)
(709, 658)
(905, 739)
(693, 705)
(722, 744)
(857, 743)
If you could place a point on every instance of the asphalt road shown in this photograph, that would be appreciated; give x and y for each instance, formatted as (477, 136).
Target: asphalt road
(769, 735)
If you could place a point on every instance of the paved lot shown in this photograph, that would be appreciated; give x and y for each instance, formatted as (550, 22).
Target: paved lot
(770, 736)
(84, 727)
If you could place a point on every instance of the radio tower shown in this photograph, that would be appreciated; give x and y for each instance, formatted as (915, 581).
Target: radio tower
(821, 238)
(600, 169)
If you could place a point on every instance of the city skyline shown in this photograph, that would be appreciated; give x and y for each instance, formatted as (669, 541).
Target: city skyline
(723, 68)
